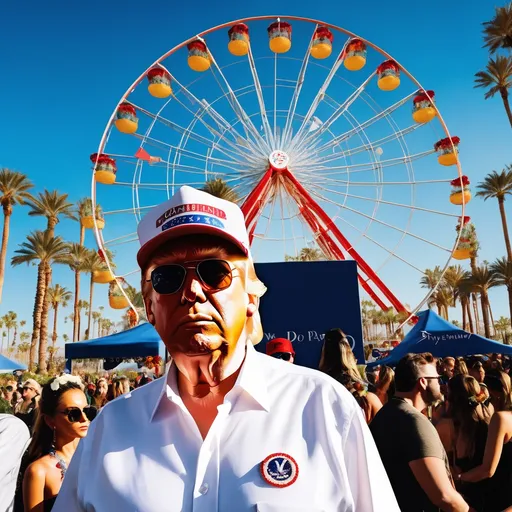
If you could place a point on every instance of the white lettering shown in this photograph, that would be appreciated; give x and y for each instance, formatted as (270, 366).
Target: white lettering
(270, 336)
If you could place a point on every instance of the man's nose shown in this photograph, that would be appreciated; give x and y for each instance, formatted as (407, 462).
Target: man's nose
(192, 289)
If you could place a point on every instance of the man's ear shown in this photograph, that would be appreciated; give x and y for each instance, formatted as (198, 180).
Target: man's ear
(253, 305)
(148, 304)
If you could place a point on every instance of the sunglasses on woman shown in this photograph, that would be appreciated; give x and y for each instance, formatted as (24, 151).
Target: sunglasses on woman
(214, 274)
(75, 414)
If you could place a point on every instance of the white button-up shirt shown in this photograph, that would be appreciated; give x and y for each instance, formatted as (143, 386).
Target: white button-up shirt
(14, 439)
(144, 451)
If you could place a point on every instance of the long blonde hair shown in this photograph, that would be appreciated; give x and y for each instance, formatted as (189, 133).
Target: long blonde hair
(337, 358)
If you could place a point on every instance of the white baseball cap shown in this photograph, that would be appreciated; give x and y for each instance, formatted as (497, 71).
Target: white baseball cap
(191, 211)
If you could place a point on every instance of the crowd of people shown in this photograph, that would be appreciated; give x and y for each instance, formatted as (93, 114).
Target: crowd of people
(51, 420)
(230, 429)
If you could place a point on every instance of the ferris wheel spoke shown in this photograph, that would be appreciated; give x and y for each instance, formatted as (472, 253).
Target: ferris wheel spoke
(209, 109)
(335, 181)
(244, 119)
(234, 152)
(391, 203)
(318, 98)
(366, 166)
(311, 139)
(259, 93)
(347, 135)
(287, 132)
(129, 210)
(244, 151)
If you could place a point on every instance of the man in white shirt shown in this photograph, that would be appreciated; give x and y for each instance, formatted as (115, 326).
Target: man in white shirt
(14, 438)
(227, 428)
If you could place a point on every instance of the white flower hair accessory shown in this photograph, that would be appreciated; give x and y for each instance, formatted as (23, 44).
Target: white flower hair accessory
(64, 379)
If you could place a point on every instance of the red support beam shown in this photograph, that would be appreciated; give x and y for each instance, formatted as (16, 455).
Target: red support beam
(312, 213)
(331, 226)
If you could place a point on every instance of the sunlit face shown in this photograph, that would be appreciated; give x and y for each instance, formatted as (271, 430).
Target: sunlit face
(429, 384)
(201, 328)
(449, 368)
(28, 393)
(73, 398)
(102, 387)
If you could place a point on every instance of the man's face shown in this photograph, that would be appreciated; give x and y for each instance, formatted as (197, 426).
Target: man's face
(201, 328)
(429, 384)
(8, 393)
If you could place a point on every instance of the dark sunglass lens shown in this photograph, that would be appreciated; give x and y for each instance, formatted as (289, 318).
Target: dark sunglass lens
(215, 274)
(74, 415)
(167, 279)
(90, 413)
(285, 357)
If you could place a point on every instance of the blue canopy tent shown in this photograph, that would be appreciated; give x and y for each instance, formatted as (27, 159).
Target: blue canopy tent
(441, 338)
(8, 365)
(140, 341)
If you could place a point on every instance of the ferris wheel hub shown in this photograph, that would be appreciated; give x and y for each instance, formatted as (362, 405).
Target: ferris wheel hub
(279, 160)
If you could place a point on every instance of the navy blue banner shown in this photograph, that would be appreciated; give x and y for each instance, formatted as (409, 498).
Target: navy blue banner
(306, 299)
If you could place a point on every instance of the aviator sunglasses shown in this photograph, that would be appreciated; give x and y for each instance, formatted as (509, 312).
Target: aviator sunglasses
(214, 274)
(74, 414)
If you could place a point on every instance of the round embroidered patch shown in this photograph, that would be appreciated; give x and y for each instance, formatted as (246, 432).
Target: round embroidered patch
(279, 470)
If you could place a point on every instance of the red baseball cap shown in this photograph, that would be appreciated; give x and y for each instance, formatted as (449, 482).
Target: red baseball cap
(279, 345)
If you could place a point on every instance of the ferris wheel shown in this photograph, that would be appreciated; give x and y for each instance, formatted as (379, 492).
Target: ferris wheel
(328, 142)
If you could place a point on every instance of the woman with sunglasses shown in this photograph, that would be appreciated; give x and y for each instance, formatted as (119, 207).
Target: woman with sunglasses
(63, 420)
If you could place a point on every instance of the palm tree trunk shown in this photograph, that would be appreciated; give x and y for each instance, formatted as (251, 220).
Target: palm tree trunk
(470, 317)
(91, 290)
(36, 316)
(75, 306)
(3, 250)
(485, 313)
(464, 315)
(509, 289)
(491, 316)
(504, 97)
(475, 312)
(43, 338)
(501, 202)
(54, 334)
(82, 234)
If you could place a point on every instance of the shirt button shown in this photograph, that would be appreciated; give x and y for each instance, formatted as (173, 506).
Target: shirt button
(204, 488)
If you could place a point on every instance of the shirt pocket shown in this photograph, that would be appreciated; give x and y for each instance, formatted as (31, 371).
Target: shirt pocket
(267, 507)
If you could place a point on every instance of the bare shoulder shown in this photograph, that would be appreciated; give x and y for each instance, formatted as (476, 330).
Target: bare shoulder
(38, 468)
(503, 419)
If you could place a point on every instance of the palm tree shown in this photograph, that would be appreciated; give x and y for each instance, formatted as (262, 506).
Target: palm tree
(75, 260)
(57, 296)
(455, 278)
(497, 186)
(52, 205)
(14, 189)
(502, 270)
(498, 31)
(24, 347)
(84, 209)
(307, 254)
(481, 280)
(93, 263)
(502, 325)
(441, 297)
(219, 188)
(9, 322)
(96, 315)
(43, 248)
(498, 78)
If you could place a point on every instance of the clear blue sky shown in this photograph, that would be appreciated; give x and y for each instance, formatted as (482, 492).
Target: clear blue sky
(65, 65)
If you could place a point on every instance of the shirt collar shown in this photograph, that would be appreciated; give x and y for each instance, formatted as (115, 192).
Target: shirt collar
(251, 380)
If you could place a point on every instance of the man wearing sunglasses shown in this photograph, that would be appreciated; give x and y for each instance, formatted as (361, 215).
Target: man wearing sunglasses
(281, 348)
(226, 428)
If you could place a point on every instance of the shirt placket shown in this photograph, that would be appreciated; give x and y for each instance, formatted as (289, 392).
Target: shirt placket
(206, 487)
